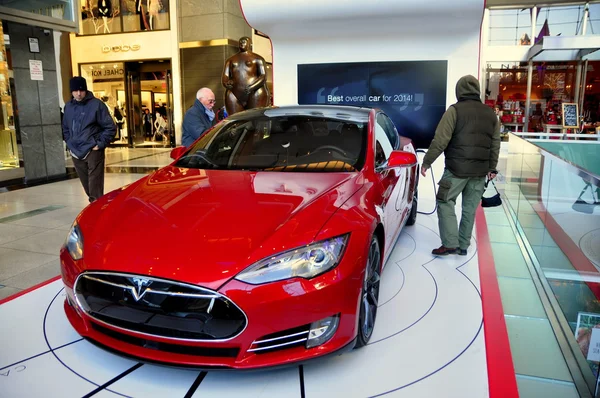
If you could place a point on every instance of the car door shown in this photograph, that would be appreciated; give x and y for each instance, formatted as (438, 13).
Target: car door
(405, 173)
(388, 180)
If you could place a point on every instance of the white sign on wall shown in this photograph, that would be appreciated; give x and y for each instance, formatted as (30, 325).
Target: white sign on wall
(594, 351)
(34, 45)
(35, 70)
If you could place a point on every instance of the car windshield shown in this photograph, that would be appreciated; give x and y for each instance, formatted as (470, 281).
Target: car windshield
(280, 143)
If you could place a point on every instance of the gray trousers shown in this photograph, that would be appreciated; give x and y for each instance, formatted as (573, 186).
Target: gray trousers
(91, 173)
(450, 187)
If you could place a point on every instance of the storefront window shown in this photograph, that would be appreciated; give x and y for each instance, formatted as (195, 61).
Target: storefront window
(60, 9)
(138, 95)
(9, 155)
(107, 82)
(552, 85)
(118, 16)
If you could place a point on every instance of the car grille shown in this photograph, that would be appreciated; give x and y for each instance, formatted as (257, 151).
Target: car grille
(174, 348)
(289, 338)
(158, 307)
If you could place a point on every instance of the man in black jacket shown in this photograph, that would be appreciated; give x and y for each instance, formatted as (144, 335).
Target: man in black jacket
(469, 136)
(87, 128)
(199, 118)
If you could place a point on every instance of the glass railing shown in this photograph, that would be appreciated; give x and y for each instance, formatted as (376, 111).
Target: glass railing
(553, 192)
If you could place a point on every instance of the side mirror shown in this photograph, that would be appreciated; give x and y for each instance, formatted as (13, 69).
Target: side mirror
(177, 152)
(401, 159)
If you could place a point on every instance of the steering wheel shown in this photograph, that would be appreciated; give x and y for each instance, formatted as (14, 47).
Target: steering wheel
(331, 147)
(202, 155)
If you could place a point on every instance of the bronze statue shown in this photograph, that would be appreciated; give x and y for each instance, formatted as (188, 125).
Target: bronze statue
(245, 80)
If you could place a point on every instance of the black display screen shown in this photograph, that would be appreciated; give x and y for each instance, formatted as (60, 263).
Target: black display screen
(412, 93)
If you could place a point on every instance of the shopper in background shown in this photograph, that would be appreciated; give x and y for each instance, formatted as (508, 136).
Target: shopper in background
(147, 120)
(87, 128)
(469, 136)
(199, 118)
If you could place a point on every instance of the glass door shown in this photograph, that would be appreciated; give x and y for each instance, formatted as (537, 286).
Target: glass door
(170, 109)
(134, 105)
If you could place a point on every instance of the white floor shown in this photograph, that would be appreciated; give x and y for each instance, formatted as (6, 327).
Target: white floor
(134, 157)
(428, 342)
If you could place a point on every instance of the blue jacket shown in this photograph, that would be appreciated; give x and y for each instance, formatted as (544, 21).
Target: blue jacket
(87, 124)
(195, 123)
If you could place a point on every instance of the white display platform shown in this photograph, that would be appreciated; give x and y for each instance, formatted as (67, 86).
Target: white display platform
(428, 342)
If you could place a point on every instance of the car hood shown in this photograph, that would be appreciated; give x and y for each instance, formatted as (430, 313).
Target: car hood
(205, 226)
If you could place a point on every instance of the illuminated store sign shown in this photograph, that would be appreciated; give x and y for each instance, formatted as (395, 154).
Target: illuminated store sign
(108, 73)
(121, 49)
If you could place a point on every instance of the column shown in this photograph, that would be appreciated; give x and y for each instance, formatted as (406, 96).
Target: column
(37, 103)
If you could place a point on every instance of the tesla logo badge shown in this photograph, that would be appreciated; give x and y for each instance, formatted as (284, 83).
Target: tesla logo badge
(141, 285)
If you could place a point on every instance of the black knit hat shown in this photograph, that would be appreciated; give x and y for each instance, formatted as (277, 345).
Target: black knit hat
(78, 83)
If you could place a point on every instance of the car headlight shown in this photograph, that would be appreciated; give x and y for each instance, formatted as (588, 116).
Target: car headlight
(303, 262)
(74, 242)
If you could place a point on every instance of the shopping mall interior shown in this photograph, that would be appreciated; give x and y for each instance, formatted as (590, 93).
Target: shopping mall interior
(517, 316)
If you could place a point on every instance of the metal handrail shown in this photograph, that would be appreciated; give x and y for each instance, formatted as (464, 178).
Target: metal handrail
(560, 135)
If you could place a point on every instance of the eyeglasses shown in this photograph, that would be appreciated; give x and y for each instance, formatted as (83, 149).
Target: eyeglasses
(211, 101)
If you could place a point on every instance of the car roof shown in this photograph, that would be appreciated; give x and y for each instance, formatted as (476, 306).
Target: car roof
(339, 112)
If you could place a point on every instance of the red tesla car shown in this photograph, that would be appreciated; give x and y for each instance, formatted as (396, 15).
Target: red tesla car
(262, 244)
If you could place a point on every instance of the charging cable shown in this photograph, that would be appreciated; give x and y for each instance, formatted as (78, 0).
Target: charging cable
(432, 179)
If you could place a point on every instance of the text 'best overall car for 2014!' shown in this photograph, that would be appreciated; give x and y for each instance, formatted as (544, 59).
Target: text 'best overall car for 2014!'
(262, 244)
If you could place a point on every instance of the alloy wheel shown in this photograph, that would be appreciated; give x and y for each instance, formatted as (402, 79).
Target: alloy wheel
(370, 293)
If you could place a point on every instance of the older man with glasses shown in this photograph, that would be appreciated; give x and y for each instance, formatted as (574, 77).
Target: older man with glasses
(199, 118)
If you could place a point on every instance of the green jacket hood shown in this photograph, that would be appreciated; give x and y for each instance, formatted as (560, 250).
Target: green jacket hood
(468, 88)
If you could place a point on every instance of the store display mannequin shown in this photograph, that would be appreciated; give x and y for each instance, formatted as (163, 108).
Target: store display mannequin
(245, 80)
(119, 120)
(142, 8)
(105, 99)
(160, 126)
(153, 7)
(105, 11)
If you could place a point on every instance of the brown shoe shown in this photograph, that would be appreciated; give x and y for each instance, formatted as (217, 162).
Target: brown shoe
(443, 251)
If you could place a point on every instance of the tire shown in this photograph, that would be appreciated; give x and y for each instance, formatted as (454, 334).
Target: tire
(369, 296)
(412, 218)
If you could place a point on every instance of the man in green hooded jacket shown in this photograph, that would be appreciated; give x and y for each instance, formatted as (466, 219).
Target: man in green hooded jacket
(469, 136)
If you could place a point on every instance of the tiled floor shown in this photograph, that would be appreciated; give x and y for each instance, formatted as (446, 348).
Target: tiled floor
(539, 364)
(137, 157)
(34, 221)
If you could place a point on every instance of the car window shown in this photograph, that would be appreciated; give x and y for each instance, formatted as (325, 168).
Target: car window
(383, 145)
(281, 143)
(392, 133)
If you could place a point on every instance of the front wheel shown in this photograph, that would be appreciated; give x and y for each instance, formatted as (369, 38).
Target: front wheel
(369, 295)
(412, 218)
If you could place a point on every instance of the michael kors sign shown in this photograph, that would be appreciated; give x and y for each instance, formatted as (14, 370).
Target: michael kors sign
(121, 49)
